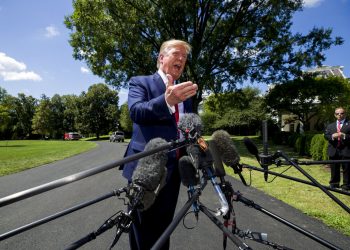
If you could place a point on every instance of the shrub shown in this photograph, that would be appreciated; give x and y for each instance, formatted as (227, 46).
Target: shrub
(318, 148)
(324, 151)
(308, 140)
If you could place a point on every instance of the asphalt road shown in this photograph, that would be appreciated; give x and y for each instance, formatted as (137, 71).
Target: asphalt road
(59, 233)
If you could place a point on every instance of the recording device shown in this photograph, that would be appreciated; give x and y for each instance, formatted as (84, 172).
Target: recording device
(150, 175)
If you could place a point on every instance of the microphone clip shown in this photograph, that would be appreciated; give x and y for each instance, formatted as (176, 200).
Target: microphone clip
(268, 159)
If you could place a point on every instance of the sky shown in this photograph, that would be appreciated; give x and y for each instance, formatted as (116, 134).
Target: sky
(36, 57)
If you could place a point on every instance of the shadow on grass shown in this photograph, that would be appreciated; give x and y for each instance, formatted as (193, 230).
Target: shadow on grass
(12, 146)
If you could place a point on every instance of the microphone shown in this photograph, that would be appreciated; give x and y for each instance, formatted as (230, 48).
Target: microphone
(263, 159)
(188, 173)
(219, 169)
(189, 178)
(203, 160)
(149, 176)
(190, 125)
(252, 148)
(227, 151)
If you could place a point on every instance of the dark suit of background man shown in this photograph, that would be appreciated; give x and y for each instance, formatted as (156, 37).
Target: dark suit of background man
(338, 136)
(152, 102)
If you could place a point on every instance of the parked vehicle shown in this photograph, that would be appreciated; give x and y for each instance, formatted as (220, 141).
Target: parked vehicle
(117, 136)
(72, 136)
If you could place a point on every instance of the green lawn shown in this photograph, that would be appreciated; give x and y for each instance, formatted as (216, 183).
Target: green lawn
(18, 155)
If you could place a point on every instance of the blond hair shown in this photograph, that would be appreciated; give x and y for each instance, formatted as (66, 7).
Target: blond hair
(168, 45)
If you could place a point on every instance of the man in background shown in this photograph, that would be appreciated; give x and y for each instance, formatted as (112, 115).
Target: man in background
(338, 136)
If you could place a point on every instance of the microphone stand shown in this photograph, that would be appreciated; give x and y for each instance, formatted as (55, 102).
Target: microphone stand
(60, 214)
(222, 227)
(169, 230)
(123, 222)
(238, 197)
(266, 160)
(227, 189)
(313, 180)
(295, 179)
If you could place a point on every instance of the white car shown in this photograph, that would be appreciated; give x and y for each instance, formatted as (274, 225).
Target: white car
(117, 136)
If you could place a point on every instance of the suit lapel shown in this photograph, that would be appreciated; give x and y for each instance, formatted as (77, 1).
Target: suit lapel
(160, 84)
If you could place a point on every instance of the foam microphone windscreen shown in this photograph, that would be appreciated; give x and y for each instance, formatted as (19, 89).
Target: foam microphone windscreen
(191, 122)
(226, 148)
(218, 166)
(188, 172)
(151, 170)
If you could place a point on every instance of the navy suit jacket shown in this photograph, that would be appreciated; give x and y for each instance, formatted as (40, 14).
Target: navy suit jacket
(343, 148)
(151, 118)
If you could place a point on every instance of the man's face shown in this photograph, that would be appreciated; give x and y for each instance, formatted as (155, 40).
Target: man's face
(339, 114)
(173, 61)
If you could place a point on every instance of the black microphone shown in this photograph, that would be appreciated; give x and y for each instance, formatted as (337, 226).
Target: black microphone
(190, 125)
(189, 178)
(251, 147)
(264, 160)
(188, 172)
(150, 174)
(228, 151)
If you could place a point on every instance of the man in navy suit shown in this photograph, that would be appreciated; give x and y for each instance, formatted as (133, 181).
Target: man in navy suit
(338, 136)
(153, 102)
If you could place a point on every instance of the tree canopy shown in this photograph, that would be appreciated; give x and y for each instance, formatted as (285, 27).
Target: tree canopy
(233, 41)
(238, 112)
(309, 96)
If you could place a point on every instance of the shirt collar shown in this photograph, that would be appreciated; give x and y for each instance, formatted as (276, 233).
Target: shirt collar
(163, 76)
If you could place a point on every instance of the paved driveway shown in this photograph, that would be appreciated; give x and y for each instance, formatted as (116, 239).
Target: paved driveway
(58, 234)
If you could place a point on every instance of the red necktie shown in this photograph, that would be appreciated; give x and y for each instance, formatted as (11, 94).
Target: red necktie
(338, 130)
(176, 113)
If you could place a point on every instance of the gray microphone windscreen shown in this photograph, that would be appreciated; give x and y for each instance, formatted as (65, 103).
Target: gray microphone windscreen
(151, 169)
(226, 148)
(218, 166)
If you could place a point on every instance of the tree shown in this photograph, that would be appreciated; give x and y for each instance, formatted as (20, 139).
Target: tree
(239, 112)
(233, 41)
(98, 110)
(24, 107)
(42, 124)
(57, 116)
(5, 114)
(309, 97)
(125, 120)
(3, 94)
(71, 112)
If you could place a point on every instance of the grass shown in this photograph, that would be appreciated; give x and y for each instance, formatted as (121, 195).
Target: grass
(309, 199)
(19, 155)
